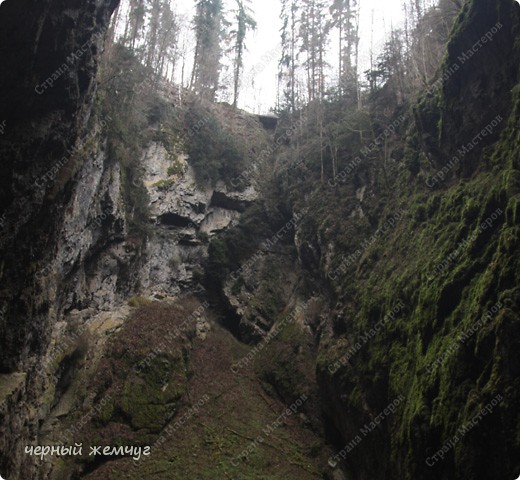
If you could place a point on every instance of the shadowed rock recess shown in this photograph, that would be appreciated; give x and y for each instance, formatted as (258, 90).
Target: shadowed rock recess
(180, 275)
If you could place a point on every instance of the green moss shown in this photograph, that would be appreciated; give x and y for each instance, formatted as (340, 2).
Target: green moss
(175, 169)
(286, 364)
(142, 375)
(149, 399)
(449, 272)
(208, 445)
(164, 184)
(138, 301)
(106, 412)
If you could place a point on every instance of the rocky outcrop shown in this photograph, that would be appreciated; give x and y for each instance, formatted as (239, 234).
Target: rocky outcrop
(46, 118)
(479, 72)
(186, 216)
(416, 340)
(45, 115)
(96, 266)
(381, 328)
(262, 288)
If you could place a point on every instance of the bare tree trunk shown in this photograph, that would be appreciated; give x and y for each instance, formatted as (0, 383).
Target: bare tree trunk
(356, 58)
(111, 34)
(321, 152)
(340, 62)
(194, 71)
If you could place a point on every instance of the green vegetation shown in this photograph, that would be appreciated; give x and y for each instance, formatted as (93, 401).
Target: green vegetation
(446, 290)
(120, 102)
(176, 169)
(438, 259)
(138, 301)
(229, 251)
(164, 184)
(442, 259)
(143, 375)
(213, 150)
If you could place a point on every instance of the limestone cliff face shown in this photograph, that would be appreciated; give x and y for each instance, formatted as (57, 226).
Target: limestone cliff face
(47, 84)
(45, 114)
(186, 215)
(69, 259)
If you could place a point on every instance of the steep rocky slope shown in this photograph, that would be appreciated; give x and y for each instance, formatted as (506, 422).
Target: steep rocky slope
(414, 252)
(173, 379)
(45, 115)
(388, 296)
(451, 260)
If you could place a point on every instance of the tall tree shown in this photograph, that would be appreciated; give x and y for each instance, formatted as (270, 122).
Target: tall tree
(152, 32)
(345, 18)
(208, 26)
(391, 65)
(289, 61)
(244, 22)
(314, 37)
(136, 22)
(168, 49)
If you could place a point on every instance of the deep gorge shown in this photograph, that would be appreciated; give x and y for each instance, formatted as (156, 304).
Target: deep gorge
(180, 274)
